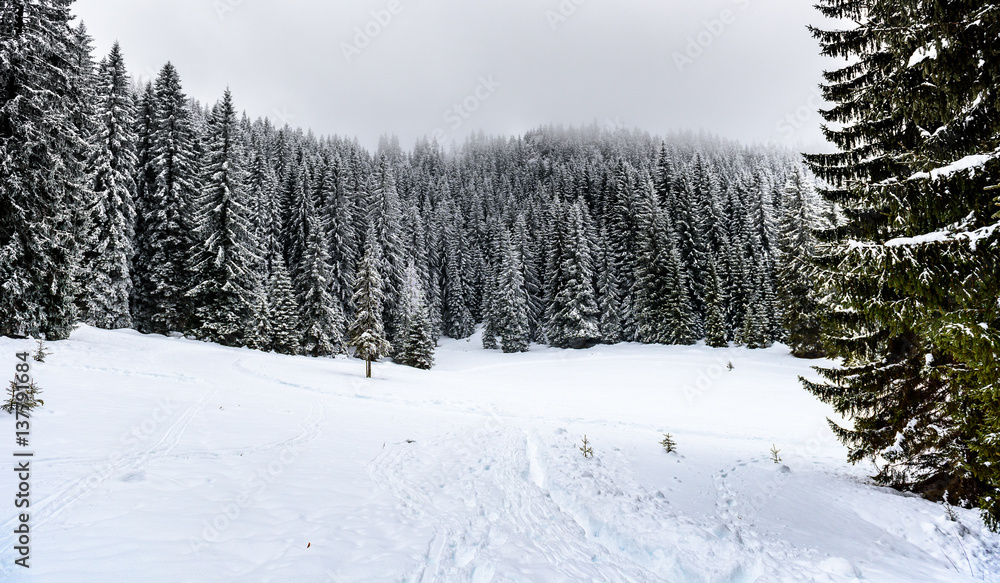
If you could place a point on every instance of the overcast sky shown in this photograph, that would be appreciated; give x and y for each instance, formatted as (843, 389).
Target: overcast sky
(743, 69)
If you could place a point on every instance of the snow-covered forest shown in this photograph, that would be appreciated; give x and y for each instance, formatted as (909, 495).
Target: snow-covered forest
(128, 205)
(182, 217)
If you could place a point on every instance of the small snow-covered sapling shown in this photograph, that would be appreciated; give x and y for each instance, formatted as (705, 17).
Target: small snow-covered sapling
(22, 398)
(774, 454)
(668, 443)
(586, 449)
(41, 352)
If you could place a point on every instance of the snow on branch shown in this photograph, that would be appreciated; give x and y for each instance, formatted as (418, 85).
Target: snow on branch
(945, 236)
(967, 163)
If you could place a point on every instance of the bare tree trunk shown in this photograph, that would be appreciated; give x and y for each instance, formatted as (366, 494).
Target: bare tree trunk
(368, 364)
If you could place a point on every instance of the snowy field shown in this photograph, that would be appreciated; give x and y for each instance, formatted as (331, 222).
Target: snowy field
(162, 459)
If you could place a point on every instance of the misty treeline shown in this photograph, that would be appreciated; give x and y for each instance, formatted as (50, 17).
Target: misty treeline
(133, 206)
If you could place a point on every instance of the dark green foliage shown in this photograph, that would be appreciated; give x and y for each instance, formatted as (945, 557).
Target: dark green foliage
(913, 267)
(668, 443)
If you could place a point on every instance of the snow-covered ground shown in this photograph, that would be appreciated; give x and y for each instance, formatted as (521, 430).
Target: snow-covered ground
(163, 459)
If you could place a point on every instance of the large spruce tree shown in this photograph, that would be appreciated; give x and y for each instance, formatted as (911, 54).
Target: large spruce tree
(167, 241)
(43, 186)
(224, 284)
(914, 267)
(107, 258)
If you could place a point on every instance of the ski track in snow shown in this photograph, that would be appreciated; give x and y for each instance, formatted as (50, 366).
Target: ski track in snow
(54, 504)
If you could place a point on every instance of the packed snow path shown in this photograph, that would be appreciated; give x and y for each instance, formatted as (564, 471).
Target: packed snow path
(164, 459)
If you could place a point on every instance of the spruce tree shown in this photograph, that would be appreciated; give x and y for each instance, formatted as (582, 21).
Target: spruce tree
(534, 292)
(107, 258)
(715, 311)
(573, 315)
(283, 308)
(42, 182)
(511, 299)
(663, 303)
(798, 293)
(491, 310)
(367, 333)
(914, 313)
(321, 317)
(417, 345)
(169, 222)
(458, 322)
(623, 245)
(386, 221)
(608, 290)
(226, 253)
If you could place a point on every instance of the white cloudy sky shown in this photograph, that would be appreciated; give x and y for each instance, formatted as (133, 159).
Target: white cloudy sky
(549, 61)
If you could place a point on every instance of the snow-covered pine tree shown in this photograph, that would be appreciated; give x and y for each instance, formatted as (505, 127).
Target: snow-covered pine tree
(608, 292)
(344, 251)
(145, 186)
(511, 299)
(798, 294)
(573, 315)
(754, 333)
(622, 237)
(417, 345)
(223, 281)
(491, 309)
(915, 271)
(534, 294)
(367, 333)
(321, 317)
(285, 333)
(82, 86)
(663, 303)
(386, 218)
(107, 258)
(298, 216)
(688, 220)
(715, 309)
(42, 180)
(458, 322)
(168, 222)
(261, 187)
